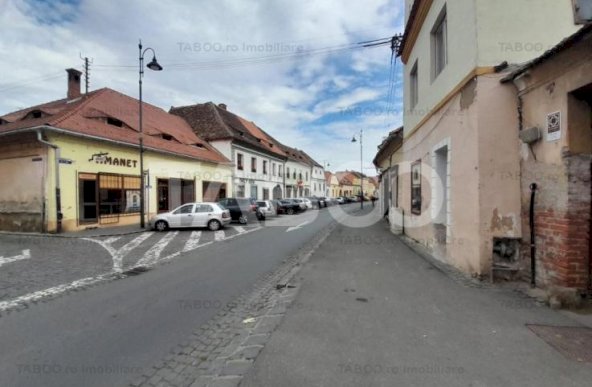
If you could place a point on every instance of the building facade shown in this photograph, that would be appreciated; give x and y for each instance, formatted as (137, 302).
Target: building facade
(259, 161)
(452, 194)
(555, 94)
(74, 163)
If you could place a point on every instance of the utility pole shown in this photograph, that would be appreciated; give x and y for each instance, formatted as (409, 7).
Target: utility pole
(87, 64)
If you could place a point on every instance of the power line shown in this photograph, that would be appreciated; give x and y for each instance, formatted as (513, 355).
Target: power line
(236, 62)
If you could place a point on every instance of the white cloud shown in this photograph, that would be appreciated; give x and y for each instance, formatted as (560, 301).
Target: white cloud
(284, 97)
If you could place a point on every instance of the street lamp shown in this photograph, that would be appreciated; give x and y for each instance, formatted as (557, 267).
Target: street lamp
(153, 65)
(361, 168)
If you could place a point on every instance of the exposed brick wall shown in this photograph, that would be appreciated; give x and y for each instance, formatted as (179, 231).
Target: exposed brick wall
(562, 221)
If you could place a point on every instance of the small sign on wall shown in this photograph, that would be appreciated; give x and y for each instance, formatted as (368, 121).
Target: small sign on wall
(553, 126)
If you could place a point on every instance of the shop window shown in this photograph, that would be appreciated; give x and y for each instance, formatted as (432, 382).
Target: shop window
(416, 188)
(253, 192)
(265, 193)
(240, 191)
(118, 194)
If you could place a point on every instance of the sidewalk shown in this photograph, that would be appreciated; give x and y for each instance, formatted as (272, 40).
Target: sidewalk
(374, 313)
(88, 233)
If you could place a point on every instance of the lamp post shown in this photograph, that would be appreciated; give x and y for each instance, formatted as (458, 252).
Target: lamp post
(326, 189)
(361, 168)
(153, 65)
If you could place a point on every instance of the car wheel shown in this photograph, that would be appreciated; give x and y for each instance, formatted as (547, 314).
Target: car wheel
(242, 219)
(161, 225)
(290, 211)
(214, 225)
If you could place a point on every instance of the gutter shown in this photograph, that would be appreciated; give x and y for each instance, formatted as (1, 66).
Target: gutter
(58, 193)
(102, 139)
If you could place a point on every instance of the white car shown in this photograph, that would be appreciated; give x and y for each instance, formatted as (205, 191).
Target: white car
(210, 215)
(267, 208)
(307, 203)
(302, 204)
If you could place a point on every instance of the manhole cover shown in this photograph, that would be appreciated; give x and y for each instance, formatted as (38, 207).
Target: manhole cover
(573, 342)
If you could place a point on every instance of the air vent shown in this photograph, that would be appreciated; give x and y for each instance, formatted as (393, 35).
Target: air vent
(199, 145)
(34, 114)
(114, 122)
(167, 137)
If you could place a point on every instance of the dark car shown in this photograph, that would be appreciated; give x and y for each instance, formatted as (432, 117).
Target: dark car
(279, 207)
(242, 210)
(290, 206)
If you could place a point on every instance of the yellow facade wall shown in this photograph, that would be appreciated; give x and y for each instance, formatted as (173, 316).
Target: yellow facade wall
(158, 165)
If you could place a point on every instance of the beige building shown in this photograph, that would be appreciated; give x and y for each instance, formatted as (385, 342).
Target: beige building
(460, 138)
(555, 93)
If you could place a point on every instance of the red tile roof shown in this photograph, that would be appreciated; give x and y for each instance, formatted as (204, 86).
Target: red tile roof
(212, 122)
(110, 115)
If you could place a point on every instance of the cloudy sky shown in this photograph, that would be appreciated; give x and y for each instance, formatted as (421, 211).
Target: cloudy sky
(243, 53)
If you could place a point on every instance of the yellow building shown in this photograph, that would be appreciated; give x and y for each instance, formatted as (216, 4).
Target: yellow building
(74, 163)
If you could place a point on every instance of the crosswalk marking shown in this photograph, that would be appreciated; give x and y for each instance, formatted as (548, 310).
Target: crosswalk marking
(155, 251)
(193, 241)
(25, 255)
(219, 235)
(117, 255)
(239, 229)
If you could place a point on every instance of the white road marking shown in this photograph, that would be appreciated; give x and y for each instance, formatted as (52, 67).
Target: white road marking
(154, 253)
(54, 291)
(297, 227)
(59, 289)
(219, 235)
(25, 255)
(193, 241)
(239, 229)
(118, 254)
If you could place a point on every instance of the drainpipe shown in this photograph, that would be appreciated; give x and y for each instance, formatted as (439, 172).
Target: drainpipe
(533, 188)
(58, 196)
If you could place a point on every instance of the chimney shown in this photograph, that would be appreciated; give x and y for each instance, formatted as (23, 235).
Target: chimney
(73, 83)
(222, 106)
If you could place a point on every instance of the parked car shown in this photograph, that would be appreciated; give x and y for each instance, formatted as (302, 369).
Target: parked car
(307, 202)
(316, 202)
(242, 210)
(267, 207)
(323, 201)
(279, 207)
(341, 200)
(300, 203)
(290, 206)
(210, 215)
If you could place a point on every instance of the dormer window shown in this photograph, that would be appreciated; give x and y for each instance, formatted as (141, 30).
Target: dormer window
(199, 145)
(3, 121)
(34, 114)
(167, 137)
(114, 122)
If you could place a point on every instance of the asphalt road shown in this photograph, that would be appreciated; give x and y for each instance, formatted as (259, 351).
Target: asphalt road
(108, 334)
